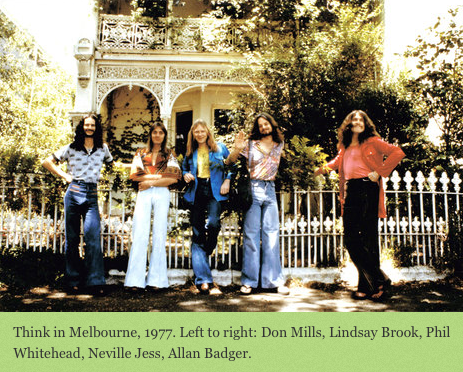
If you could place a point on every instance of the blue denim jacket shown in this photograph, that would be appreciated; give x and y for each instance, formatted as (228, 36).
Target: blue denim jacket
(217, 170)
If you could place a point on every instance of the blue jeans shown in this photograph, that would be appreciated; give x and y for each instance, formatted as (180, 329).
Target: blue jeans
(261, 224)
(81, 201)
(155, 199)
(204, 234)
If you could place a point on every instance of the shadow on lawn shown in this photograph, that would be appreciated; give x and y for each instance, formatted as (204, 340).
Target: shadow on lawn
(444, 295)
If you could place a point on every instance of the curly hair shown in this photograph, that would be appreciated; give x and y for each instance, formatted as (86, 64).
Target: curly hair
(79, 137)
(277, 135)
(345, 130)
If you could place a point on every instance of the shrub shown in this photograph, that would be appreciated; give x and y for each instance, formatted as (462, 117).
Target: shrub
(22, 268)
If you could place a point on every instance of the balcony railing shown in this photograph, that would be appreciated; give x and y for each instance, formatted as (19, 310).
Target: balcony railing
(182, 34)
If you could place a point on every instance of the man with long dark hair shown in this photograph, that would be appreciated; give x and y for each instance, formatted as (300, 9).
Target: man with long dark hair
(363, 159)
(261, 232)
(85, 157)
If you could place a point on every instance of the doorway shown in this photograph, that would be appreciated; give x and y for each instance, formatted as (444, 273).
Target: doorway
(183, 120)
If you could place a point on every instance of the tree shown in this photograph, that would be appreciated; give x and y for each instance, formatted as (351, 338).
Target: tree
(439, 87)
(35, 97)
(310, 79)
(326, 63)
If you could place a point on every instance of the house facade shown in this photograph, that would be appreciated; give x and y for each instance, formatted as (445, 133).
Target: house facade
(135, 72)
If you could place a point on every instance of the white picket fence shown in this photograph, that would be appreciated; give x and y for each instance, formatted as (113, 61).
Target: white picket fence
(310, 229)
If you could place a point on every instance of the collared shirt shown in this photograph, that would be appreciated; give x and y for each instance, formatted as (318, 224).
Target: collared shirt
(373, 151)
(84, 166)
(264, 165)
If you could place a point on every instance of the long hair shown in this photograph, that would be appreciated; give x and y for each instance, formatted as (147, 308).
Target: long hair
(345, 130)
(79, 136)
(277, 135)
(192, 144)
(150, 144)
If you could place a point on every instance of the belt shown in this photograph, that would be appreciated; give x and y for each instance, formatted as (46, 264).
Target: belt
(89, 185)
(356, 180)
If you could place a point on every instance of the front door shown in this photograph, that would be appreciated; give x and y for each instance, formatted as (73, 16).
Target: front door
(183, 120)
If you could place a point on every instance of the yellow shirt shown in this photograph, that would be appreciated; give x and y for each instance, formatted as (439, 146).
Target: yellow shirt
(203, 163)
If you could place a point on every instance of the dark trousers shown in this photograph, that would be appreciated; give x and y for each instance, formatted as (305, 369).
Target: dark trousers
(81, 201)
(205, 207)
(361, 232)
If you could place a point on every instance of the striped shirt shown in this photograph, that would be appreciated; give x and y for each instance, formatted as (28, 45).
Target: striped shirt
(264, 165)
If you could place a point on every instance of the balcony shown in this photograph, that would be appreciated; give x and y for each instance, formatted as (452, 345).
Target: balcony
(122, 33)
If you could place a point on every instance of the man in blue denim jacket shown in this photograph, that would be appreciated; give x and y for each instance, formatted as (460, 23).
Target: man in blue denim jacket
(209, 184)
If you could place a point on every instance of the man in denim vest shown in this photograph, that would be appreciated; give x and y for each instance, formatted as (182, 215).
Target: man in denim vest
(85, 157)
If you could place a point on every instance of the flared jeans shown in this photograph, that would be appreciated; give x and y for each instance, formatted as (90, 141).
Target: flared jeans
(154, 199)
(360, 220)
(262, 225)
(81, 201)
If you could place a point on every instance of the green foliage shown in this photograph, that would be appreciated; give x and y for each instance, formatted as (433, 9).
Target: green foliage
(35, 97)
(401, 254)
(452, 255)
(323, 69)
(150, 8)
(399, 121)
(311, 83)
(258, 11)
(21, 268)
(439, 87)
(284, 12)
(134, 133)
(301, 160)
(123, 149)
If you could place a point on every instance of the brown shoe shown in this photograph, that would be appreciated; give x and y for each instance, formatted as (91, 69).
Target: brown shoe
(379, 295)
(215, 290)
(194, 289)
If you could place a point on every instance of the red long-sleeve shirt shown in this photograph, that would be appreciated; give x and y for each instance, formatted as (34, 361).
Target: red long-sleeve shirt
(373, 151)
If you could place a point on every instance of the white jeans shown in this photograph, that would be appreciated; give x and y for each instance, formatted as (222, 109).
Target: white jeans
(157, 199)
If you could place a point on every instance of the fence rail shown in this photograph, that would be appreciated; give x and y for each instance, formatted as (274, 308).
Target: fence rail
(310, 223)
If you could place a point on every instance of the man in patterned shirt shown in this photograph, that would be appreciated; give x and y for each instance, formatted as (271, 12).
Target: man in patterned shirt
(85, 157)
(261, 239)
